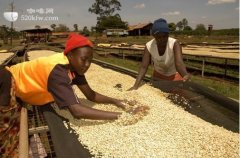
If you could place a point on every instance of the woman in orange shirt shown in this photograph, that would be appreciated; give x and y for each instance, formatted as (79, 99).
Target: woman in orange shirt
(50, 79)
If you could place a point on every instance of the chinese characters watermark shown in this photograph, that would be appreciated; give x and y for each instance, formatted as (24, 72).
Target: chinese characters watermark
(39, 15)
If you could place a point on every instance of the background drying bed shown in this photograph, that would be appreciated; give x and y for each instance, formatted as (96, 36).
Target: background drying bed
(39, 53)
(4, 56)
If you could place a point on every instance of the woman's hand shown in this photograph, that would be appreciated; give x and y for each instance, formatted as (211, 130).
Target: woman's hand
(120, 103)
(129, 106)
(132, 88)
(186, 78)
(139, 110)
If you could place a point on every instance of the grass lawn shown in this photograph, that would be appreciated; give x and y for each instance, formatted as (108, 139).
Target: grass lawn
(8, 46)
(213, 69)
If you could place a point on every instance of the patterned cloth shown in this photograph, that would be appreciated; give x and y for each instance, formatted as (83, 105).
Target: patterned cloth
(9, 126)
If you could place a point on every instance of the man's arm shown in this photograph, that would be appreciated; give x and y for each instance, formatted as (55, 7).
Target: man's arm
(143, 68)
(179, 61)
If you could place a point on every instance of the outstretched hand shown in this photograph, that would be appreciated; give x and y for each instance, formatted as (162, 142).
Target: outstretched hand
(139, 110)
(124, 104)
(120, 104)
(129, 106)
(187, 78)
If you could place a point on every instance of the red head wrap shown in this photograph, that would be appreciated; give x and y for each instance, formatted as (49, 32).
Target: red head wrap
(74, 41)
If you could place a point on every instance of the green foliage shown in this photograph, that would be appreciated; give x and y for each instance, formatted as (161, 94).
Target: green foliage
(75, 26)
(105, 7)
(111, 22)
(228, 32)
(187, 28)
(172, 26)
(184, 23)
(5, 33)
(85, 31)
(53, 26)
(61, 28)
(180, 25)
(200, 27)
(106, 18)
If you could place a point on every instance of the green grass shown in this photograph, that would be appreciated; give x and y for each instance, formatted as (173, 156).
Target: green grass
(226, 88)
(213, 69)
(8, 46)
(133, 65)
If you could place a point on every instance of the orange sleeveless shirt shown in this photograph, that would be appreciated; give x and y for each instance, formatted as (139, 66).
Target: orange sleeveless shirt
(31, 78)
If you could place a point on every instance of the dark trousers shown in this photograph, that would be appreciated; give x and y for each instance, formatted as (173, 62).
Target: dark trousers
(9, 116)
(5, 86)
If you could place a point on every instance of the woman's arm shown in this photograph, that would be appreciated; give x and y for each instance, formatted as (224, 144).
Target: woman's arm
(143, 69)
(180, 66)
(81, 111)
(99, 98)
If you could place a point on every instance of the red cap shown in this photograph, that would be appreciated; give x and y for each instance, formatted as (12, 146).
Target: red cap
(74, 41)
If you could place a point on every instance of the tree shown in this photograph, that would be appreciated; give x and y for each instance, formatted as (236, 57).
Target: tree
(180, 25)
(4, 33)
(37, 27)
(200, 27)
(187, 28)
(105, 10)
(53, 26)
(93, 28)
(62, 28)
(172, 26)
(105, 7)
(184, 22)
(112, 22)
(85, 31)
(75, 27)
